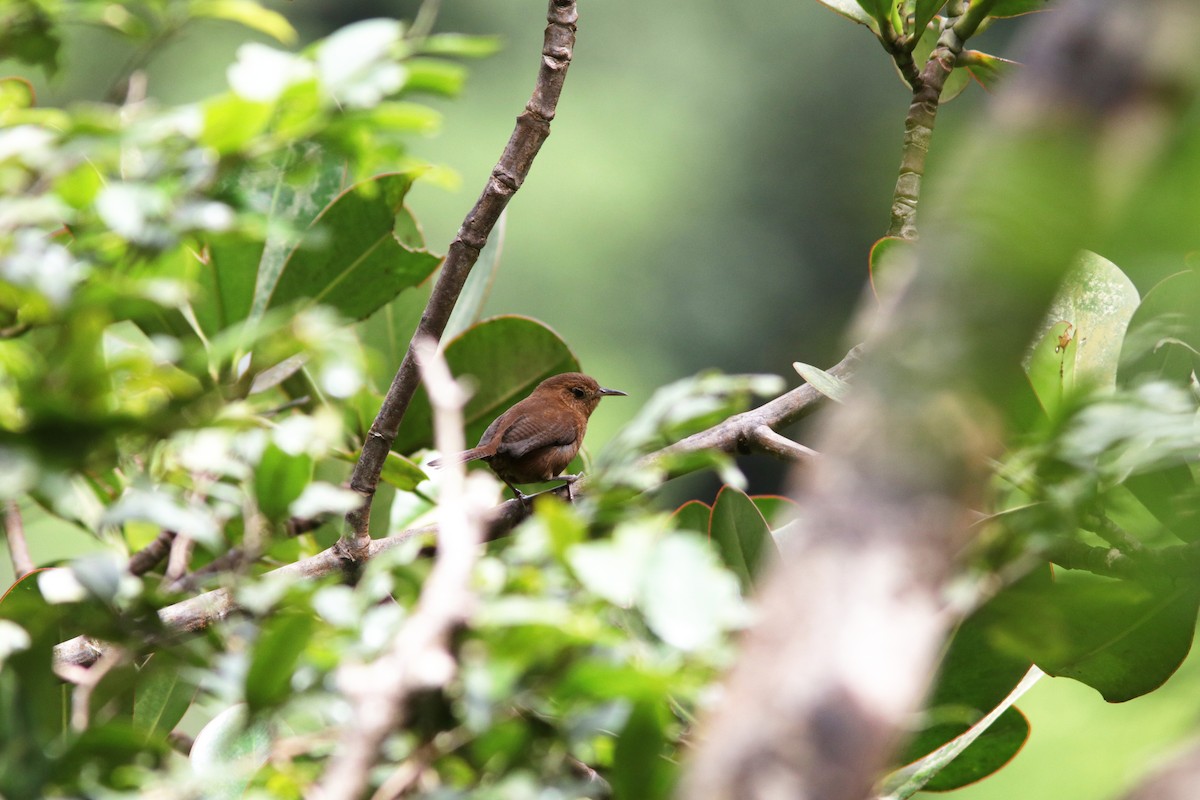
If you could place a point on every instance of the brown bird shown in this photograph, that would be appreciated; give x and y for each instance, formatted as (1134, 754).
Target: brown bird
(536, 439)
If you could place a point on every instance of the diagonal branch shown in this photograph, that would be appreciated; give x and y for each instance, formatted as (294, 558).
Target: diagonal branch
(533, 126)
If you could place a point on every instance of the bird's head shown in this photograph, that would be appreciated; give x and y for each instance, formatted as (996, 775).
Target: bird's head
(575, 390)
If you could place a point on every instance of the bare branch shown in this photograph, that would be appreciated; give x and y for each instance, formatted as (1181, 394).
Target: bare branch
(533, 126)
(420, 655)
(14, 532)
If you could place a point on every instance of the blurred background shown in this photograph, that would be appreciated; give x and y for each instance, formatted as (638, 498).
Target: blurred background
(715, 178)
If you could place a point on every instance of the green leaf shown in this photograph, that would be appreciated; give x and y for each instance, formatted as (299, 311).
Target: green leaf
(228, 751)
(741, 535)
(434, 76)
(829, 385)
(279, 479)
(296, 191)
(505, 358)
(878, 10)
(359, 265)
(162, 697)
(226, 283)
(852, 10)
(469, 308)
(247, 13)
(1015, 8)
(1051, 366)
(924, 11)
(775, 509)
(401, 473)
(280, 643)
(1172, 495)
(1097, 300)
(692, 516)
(890, 262)
(640, 769)
(459, 45)
(231, 122)
(1163, 339)
(975, 679)
(1124, 639)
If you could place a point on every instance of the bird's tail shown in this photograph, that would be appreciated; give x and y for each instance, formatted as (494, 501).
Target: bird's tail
(466, 455)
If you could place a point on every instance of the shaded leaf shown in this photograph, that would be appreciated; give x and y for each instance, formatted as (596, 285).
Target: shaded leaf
(890, 260)
(360, 265)
(741, 535)
(692, 516)
(162, 698)
(1163, 339)
(278, 649)
(1122, 638)
(279, 479)
(1172, 495)
(459, 45)
(640, 769)
(775, 509)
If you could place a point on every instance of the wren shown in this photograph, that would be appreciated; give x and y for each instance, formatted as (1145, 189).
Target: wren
(536, 439)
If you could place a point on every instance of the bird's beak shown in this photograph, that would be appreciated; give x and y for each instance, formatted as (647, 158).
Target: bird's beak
(604, 391)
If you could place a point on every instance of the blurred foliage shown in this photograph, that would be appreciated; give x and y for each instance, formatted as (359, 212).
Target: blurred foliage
(200, 307)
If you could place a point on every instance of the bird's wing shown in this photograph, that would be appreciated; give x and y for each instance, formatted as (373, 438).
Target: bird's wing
(528, 433)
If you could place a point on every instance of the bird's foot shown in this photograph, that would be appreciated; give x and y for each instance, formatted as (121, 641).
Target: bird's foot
(525, 499)
(570, 482)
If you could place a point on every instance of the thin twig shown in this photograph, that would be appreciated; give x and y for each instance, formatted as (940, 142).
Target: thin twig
(419, 657)
(532, 128)
(961, 23)
(14, 532)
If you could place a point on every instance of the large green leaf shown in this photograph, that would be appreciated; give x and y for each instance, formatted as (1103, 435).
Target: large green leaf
(469, 308)
(1122, 638)
(1051, 366)
(1172, 496)
(505, 358)
(692, 516)
(975, 676)
(279, 479)
(355, 262)
(741, 535)
(1164, 334)
(226, 279)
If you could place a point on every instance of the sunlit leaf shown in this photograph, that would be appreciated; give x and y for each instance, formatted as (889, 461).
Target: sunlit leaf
(640, 765)
(475, 292)
(228, 751)
(459, 45)
(247, 13)
(1013, 8)
(280, 644)
(989, 70)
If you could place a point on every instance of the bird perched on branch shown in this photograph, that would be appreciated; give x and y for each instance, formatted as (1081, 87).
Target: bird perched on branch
(536, 439)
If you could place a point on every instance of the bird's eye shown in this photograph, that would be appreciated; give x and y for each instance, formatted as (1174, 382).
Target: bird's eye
(578, 392)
